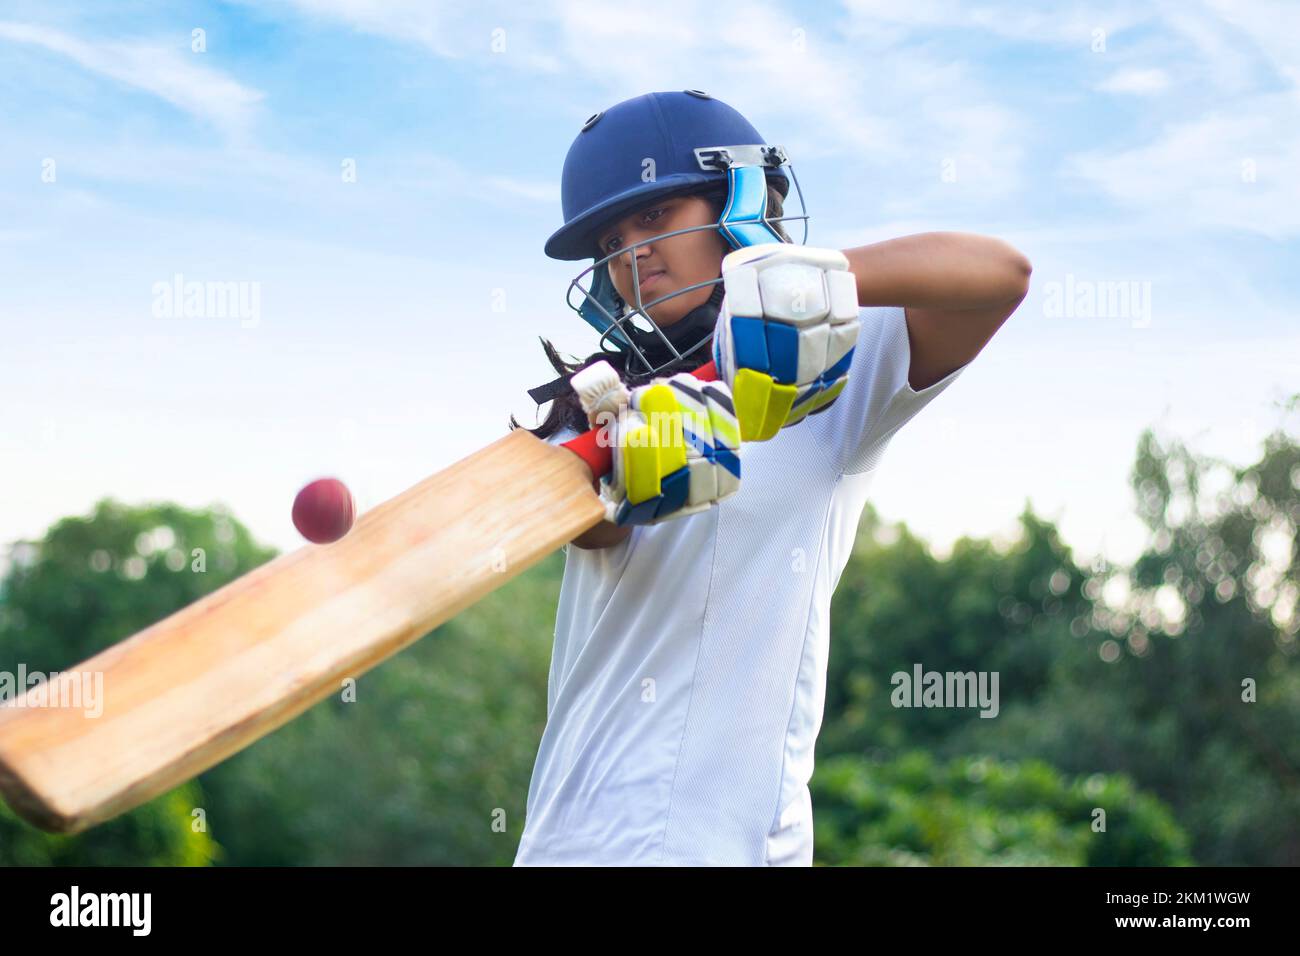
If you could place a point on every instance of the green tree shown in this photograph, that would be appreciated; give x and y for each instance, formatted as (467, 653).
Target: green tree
(1178, 674)
(1190, 683)
(979, 610)
(430, 764)
(90, 582)
(977, 811)
(99, 578)
(160, 833)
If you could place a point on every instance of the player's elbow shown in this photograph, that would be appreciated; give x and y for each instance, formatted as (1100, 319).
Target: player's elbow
(1020, 269)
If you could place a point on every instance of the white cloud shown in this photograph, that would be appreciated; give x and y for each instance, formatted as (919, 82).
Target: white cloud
(828, 97)
(1230, 167)
(976, 144)
(825, 96)
(422, 22)
(1273, 28)
(1217, 171)
(1071, 24)
(1136, 81)
(1225, 64)
(510, 34)
(164, 71)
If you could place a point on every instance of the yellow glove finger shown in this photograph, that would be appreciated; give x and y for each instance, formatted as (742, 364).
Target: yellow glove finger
(663, 412)
(762, 406)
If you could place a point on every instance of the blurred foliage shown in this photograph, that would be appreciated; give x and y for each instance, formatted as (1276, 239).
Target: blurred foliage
(977, 811)
(97, 579)
(91, 582)
(896, 605)
(430, 765)
(1140, 672)
(161, 833)
(1121, 689)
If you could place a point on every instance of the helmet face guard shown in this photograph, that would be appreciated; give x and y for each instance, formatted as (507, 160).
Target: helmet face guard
(627, 326)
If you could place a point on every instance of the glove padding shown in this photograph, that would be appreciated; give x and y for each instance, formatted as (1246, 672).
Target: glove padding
(786, 332)
(675, 444)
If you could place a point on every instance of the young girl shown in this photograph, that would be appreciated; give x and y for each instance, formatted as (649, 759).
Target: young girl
(688, 675)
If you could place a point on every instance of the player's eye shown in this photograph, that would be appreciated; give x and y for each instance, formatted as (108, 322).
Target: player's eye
(611, 243)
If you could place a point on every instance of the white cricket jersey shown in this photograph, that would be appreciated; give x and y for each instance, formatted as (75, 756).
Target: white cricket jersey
(688, 676)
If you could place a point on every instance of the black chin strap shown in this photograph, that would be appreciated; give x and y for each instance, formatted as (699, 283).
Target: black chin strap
(685, 335)
(544, 393)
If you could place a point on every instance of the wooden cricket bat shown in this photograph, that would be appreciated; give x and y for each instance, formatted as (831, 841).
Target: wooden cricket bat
(214, 677)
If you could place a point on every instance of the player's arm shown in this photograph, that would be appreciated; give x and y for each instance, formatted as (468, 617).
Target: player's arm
(956, 290)
(604, 535)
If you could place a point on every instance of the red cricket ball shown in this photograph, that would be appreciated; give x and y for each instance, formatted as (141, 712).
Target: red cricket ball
(323, 511)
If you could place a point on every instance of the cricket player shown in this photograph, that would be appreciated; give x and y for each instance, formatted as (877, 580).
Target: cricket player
(688, 675)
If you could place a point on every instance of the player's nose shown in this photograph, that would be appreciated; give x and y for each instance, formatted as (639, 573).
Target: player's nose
(641, 254)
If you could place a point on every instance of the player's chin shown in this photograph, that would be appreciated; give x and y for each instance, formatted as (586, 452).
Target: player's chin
(668, 314)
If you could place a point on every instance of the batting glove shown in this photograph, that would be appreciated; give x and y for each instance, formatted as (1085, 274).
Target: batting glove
(785, 334)
(675, 443)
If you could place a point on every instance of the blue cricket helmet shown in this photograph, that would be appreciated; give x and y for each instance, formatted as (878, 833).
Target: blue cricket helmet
(645, 149)
(649, 148)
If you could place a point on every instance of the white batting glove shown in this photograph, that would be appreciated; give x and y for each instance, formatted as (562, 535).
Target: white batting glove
(786, 333)
(675, 443)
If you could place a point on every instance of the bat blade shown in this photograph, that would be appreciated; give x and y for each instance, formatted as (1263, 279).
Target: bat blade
(195, 688)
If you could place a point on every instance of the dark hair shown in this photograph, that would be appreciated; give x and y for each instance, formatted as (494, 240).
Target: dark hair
(566, 411)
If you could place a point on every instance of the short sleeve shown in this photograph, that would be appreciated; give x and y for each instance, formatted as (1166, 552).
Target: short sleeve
(877, 399)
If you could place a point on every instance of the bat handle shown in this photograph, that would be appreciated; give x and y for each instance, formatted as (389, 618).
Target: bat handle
(598, 457)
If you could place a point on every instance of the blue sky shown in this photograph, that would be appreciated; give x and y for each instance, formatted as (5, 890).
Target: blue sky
(398, 314)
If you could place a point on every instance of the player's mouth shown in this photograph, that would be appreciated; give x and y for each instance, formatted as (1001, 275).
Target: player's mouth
(650, 277)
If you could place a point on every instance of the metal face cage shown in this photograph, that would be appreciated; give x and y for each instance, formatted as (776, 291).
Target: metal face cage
(744, 222)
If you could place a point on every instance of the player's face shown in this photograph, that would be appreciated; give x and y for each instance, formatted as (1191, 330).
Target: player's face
(669, 264)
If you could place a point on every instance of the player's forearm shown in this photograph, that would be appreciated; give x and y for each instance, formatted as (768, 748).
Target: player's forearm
(604, 535)
(939, 270)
